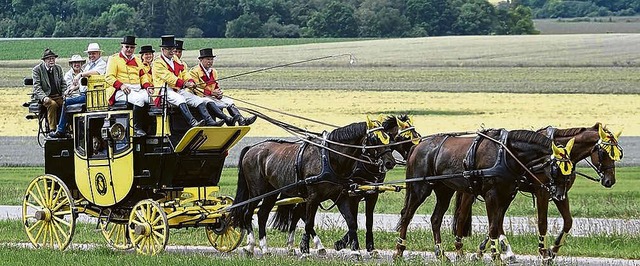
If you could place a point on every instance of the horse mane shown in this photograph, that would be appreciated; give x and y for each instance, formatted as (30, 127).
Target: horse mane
(529, 137)
(349, 133)
(569, 132)
(391, 121)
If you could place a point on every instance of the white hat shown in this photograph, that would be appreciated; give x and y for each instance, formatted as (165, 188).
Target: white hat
(93, 47)
(76, 58)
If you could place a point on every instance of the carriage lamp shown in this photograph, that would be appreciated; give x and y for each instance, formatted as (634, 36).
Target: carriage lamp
(117, 132)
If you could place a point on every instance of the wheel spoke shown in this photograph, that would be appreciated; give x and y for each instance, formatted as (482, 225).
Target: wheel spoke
(136, 240)
(140, 217)
(39, 234)
(61, 230)
(29, 204)
(55, 231)
(34, 225)
(38, 200)
(64, 202)
(62, 221)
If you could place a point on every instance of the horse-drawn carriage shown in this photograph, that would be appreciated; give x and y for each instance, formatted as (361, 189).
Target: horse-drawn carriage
(137, 187)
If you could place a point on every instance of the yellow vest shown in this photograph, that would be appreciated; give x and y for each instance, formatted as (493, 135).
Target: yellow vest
(204, 84)
(122, 71)
(163, 74)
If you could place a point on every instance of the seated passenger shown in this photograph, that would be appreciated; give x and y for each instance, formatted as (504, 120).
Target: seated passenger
(169, 73)
(48, 85)
(126, 81)
(76, 93)
(205, 78)
(209, 89)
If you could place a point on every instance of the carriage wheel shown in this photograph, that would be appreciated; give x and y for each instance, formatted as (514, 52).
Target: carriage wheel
(48, 213)
(222, 236)
(148, 227)
(116, 234)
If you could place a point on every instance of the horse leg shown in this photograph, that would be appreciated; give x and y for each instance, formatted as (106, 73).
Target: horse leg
(370, 205)
(462, 220)
(443, 198)
(345, 208)
(499, 202)
(415, 195)
(312, 209)
(563, 207)
(344, 241)
(542, 203)
(263, 216)
(251, 239)
(297, 214)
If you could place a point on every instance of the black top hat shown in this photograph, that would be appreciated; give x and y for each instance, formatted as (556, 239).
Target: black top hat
(206, 52)
(48, 53)
(146, 49)
(168, 41)
(179, 44)
(131, 40)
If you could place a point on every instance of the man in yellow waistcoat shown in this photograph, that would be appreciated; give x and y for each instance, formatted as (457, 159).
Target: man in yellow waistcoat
(128, 82)
(169, 72)
(207, 88)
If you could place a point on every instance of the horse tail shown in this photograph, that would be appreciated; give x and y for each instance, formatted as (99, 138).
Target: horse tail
(466, 231)
(239, 216)
(287, 216)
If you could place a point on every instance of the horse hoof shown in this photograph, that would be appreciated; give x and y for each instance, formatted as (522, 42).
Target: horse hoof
(247, 251)
(375, 254)
(291, 252)
(397, 256)
(510, 259)
(322, 252)
(339, 245)
(304, 256)
(355, 255)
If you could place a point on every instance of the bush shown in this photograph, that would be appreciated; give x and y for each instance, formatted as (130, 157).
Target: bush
(193, 32)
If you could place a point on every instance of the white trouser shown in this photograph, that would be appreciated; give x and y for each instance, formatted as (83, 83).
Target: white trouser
(224, 102)
(137, 96)
(182, 96)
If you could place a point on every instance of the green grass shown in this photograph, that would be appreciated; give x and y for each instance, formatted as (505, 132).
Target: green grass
(588, 199)
(21, 49)
(614, 246)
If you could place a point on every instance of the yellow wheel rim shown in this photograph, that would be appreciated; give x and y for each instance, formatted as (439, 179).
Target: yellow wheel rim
(48, 213)
(148, 227)
(225, 240)
(116, 235)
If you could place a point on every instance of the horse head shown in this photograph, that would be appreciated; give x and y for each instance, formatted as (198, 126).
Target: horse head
(403, 133)
(562, 170)
(605, 153)
(376, 146)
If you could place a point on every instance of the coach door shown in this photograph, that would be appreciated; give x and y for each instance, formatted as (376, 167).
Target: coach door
(104, 164)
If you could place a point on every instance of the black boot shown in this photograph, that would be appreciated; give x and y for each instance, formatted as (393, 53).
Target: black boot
(208, 120)
(139, 115)
(217, 112)
(242, 121)
(184, 109)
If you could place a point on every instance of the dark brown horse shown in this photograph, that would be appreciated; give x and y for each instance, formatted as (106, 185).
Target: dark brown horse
(596, 143)
(490, 172)
(322, 174)
(401, 130)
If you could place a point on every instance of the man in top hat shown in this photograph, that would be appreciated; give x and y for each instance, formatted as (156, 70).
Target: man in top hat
(77, 93)
(169, 72)
(207, 88)
(48, 86)
(128, 82)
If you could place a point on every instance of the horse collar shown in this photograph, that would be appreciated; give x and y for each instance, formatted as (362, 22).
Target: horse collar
(326, 174)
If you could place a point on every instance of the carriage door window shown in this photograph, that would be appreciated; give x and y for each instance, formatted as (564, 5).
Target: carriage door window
(97, 144)
(79, 132)
(122, 144)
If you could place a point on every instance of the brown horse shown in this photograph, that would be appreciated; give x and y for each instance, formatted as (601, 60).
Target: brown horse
(401, 130)
(450, 163)
(595, 142)
(315, 172)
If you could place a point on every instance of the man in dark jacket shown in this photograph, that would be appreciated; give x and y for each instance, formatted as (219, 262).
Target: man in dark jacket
(48, 86)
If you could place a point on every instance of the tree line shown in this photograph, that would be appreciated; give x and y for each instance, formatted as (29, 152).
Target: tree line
(584, 8)
(261, 18)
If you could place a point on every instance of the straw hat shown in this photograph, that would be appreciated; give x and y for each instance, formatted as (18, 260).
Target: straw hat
(93, 47)
(76, 58)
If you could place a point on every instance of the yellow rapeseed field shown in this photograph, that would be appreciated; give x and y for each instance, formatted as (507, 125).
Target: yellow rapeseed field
(489, 110)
